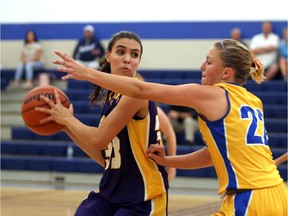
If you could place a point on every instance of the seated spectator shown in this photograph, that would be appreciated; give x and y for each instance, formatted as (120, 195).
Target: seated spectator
(283, 63)
(265, 48)
(31, 60)
(236, 34)
(184, 119)
(89, 49)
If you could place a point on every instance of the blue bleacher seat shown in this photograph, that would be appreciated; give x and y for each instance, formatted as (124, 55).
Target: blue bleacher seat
(96, 109)
(88, 166)
(253, 87)
(38, 164)
(173, 75)
(278, 140)
(63, 164)
(21, 133)
(38, 148)
(283, 171)
(82, 107)
(79, 84)
(164, 107)
(4, 83)
(272, 98)
(13, 163)
(78, 94)
(61, 136)
(276, 125)
(151, 74)
(8, 149)
(203, 172)
(271, 86)
(184, 149)
(88, 119)
(78, 106)
(274, 85)
(275, 111)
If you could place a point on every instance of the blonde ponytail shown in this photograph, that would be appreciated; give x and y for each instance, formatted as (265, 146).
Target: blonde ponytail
(257, 70)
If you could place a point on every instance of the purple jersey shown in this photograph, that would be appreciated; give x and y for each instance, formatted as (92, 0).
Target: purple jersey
(129, 176)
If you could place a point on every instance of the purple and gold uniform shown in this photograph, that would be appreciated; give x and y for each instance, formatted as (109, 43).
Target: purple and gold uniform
(238, 145)
(131, 180)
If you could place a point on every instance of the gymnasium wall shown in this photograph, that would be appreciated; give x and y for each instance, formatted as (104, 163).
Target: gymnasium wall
(167, 45)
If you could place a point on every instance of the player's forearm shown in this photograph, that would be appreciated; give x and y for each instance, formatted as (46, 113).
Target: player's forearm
(194, 160)
(93, 153)
(281, 159)
(121, 84)
(86, 134)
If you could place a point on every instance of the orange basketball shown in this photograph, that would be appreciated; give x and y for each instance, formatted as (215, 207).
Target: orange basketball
(32, 117)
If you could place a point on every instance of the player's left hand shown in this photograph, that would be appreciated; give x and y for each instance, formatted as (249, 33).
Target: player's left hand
(157, 153)
(57, 111)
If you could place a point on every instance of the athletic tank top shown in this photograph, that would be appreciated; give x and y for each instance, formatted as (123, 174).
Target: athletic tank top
(238, 143)
(129, 175)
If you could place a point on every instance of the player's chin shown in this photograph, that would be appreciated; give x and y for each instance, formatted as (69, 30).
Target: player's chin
(203, 81)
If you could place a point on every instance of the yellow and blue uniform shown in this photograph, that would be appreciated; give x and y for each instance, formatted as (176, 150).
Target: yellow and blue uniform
(238, 145)
(132, 184)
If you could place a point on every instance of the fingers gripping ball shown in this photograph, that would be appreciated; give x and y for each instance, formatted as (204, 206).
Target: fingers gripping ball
(31, 117)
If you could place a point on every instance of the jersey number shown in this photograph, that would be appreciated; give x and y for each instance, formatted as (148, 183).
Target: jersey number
(256, 133)
(112, 151)
(112, 154)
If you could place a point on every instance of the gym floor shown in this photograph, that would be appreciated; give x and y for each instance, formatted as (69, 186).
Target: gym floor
(60, 194)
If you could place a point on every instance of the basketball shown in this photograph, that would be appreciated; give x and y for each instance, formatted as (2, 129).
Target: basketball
(32, 117)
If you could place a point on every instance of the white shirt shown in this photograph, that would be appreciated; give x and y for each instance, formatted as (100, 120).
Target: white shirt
(259, 41)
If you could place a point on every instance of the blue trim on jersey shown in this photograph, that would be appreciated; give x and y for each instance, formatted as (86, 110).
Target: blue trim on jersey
(241, 202)
(220, 140)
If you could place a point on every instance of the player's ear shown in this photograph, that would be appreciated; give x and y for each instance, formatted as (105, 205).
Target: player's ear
(228, 72)
(107, 54)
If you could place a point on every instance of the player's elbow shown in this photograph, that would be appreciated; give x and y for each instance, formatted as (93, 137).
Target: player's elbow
(98, 143)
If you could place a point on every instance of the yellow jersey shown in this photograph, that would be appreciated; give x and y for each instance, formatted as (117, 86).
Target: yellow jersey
(238, 143)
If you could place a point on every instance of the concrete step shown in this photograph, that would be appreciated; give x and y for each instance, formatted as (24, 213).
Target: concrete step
(11, 120)
(11, 108)
(5, 133)
(12, 96)
(16, 95)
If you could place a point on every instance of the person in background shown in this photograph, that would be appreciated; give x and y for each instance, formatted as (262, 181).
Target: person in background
(89, 50)
(236, 34)
(283, 57)
(264, 46)
(131, 184)
(170, 139)
(231, 121)
(184, 119)
(31, 60)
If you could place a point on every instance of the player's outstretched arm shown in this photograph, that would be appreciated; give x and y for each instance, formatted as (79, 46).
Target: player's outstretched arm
(281, 159)
(194, 160)
(194, 95)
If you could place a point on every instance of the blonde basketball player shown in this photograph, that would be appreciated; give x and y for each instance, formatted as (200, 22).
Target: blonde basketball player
(231, 121)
